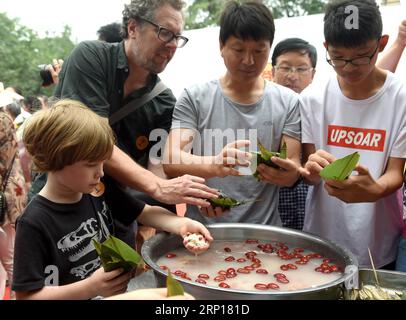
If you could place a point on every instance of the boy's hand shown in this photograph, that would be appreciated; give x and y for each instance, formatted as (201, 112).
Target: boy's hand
(286, 176)
(359, 188)
(196, 243)
(316, 162)
(214, 212)
(107, 284)
(230, 157)
(187, 225)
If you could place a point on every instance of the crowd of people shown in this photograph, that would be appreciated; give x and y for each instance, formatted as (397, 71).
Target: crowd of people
(109, 100)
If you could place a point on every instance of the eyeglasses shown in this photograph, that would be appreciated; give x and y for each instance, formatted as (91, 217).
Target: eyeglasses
(167, 35)
(301, 71)
(360, 61)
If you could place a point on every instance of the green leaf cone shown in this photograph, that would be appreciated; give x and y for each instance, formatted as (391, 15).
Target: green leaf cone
(264, 156)
(115, 254)
(225, 202)
(340, 169)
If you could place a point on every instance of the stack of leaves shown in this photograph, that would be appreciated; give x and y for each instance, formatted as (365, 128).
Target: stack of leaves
(374, 291)
(115, 254)
(264, 156)
(340, 169)
(174, 287)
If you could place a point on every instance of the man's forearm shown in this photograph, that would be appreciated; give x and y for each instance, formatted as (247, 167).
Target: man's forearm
(125, 170)
(389, 183)
(186, 163)
(391, 58)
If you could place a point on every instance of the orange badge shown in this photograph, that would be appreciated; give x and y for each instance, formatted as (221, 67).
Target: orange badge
(141, 142)
(267, 73)
(99, 190)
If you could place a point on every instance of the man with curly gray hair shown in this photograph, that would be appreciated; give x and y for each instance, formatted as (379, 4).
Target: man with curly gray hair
(108, 77)
(142, 17)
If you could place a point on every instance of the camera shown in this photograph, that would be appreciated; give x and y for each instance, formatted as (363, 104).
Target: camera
(46, 75)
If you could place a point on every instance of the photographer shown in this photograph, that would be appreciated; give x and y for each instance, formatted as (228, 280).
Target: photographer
(50, 73)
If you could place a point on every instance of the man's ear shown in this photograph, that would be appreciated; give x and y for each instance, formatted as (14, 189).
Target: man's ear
(325, 45)
(383, 42)
(313, 73)
(132, 28)
(221, 44)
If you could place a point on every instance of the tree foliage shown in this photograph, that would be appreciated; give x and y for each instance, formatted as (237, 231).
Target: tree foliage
(206, 13)
(284, 8)
(22, 50)
(203, 13)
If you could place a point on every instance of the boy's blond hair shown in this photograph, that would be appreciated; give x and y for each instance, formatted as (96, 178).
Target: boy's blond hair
(67, 133)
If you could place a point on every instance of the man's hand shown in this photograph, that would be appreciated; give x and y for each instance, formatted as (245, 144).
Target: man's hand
(230, 157)
(285, 176)
(185, 189)
(359, 188)
(214, 212)
(315, 163)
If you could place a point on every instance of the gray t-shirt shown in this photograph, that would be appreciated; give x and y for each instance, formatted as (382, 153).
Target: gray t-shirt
(214, 117)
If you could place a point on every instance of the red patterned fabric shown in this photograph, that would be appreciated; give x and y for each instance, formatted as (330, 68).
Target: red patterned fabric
(16, 194)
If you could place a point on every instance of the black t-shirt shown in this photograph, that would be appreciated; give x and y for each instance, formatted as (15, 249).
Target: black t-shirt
(56, 240)
(94, 74)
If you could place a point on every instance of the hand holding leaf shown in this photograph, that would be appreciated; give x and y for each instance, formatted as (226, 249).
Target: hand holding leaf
(340, 169)
(316, 161)
(264, 156)
(357, 188)
(225, 202)
(230, 157)
(115, 254)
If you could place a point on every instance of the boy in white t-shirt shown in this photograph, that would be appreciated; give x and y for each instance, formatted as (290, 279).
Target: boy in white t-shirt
(361, 109)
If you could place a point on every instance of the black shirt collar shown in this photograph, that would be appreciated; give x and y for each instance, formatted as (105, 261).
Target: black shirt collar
(122, 58)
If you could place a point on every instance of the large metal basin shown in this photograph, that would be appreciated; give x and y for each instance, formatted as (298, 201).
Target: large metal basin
(163, 243)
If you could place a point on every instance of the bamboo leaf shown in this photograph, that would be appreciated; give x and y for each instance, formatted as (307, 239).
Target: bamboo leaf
(340, 169)
(225, 202)
(174, 287)
(115, 254)
(284, 151)
(265, 153)
(264, 156)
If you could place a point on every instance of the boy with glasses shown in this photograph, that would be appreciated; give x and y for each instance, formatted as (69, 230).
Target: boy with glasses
(361, 109)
